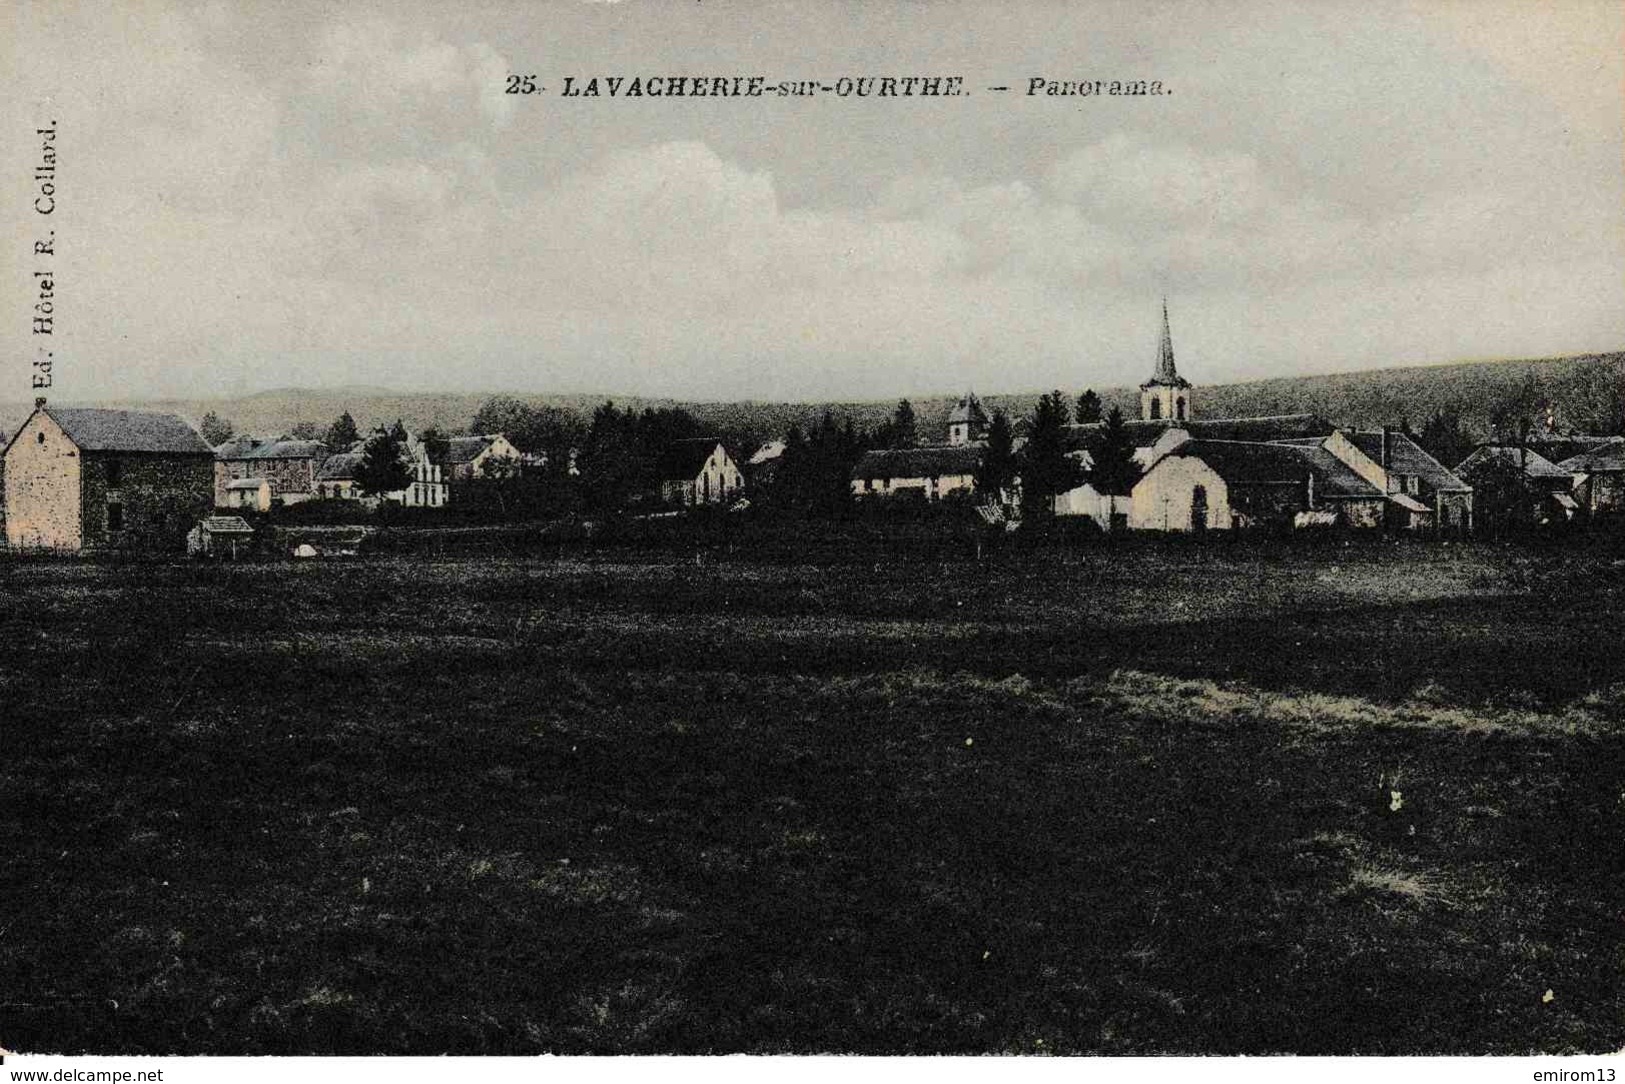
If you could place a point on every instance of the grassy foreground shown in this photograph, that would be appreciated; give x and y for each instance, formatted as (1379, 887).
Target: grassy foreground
(1148, 799)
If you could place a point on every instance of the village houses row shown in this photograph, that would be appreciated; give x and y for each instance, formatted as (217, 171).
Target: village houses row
(79, 479)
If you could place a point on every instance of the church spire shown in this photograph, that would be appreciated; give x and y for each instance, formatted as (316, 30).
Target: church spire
(1165, 372)
(1166, 396)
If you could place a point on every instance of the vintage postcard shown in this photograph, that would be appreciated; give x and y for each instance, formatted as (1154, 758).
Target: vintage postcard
(808, 528)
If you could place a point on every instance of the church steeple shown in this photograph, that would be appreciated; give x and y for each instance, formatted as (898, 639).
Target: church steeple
(1165, 372)
(1166, 396)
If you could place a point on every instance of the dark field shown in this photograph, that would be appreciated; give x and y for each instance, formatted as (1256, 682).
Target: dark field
(1145, 799)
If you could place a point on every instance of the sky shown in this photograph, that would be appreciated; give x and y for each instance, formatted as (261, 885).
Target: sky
(285, 194)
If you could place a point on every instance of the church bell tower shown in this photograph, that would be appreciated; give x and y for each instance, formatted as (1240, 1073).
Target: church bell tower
(1167, 395)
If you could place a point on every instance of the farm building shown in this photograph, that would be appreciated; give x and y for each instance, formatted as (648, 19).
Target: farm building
(336, 480)
(925, 473)
(288, 466)
(1224, 485)
(698, 472)
(468, 458)
(83, 479)
(1599, 476)
(1422, 492)
(1111, 512)
(1548, 484)
(218, 536)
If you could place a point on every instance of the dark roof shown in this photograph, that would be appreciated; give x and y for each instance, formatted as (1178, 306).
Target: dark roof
(932, 462)
(128, 431)
(1606, 458)
(235, 448)
(968, 409)
(1256, 463)
(1560, 446)
(683, 459)
(1406, 457)
(1143, 434)
(339, 468)
(1535, 465)
(287, 449)
(466, 449)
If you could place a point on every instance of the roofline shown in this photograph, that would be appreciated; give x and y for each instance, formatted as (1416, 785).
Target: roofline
(38, 408)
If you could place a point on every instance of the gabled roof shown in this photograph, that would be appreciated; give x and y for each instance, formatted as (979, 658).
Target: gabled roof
(468, 449)
(935, 461)
(684, 459)
(1257, 463)
(1600, 460)
(1406, 457)
(235, 448)
(96, 430)
(968, 409)
(1143, 433)
(1533, 463)
(339, 468)
(288, 449)
(226, 525)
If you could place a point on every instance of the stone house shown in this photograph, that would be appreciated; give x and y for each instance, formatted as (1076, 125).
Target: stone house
(698, 472)
(85, 480)
(288, 466)
(1422, 493)
(1599, 477)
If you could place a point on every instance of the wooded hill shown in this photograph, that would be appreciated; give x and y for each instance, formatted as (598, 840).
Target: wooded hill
(1586, 392)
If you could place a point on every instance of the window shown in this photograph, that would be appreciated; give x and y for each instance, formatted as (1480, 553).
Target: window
(1179, 409)
(39, 438)
(1413, 484)
(115, 517)
(1156, 409)
(115, 473)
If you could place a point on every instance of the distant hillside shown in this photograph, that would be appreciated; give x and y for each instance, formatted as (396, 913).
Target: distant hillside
(1587, 393)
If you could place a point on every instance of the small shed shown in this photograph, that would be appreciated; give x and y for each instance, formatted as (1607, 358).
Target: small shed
(218, 536)
(254, 493)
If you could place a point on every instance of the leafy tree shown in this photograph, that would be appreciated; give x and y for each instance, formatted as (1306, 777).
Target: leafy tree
(436, 445)
(1046, 471)
(305, 431)
(215, 429)
(1442, 437)
(998, 469)
(342, 434)
(901, 430)
(382, 468)
(1503, 500)
(1088, 407)
(1115, 471)
(397, 433)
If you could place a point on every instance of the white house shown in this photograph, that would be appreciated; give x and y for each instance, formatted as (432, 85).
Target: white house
(698, 472)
